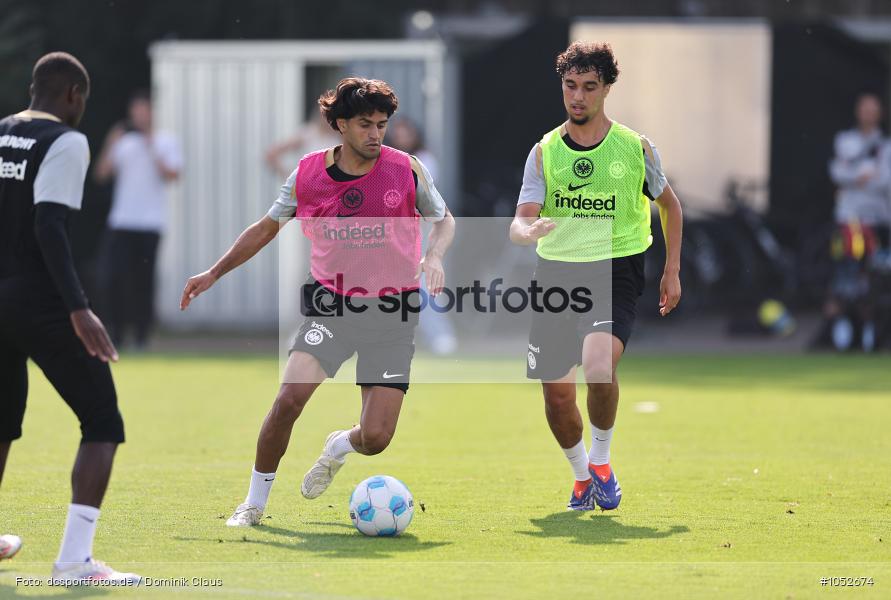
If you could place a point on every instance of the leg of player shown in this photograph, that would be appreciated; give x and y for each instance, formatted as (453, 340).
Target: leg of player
(302, 376)
(380, 413)
(9, 544)
(377, 425)
(91, 472)
(89, 480)
(601, 353)
(85, 383)
(565, 422)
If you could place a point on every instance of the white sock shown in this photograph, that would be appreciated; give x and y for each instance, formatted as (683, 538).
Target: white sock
(600, 439)
(77, 541)
(341, 445)
(261, 485)
(578, 459)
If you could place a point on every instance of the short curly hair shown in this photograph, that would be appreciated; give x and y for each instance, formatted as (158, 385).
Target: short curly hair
(55, 72)
(583, 57)
(357, 96)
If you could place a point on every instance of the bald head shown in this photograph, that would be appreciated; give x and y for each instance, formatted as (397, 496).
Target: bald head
(60, 85)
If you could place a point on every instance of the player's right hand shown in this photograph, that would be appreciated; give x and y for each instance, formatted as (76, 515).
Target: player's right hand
(92, 333)
(540, 228)
(195, 286)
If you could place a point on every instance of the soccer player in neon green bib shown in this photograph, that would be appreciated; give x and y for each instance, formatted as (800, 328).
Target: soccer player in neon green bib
(585, 204)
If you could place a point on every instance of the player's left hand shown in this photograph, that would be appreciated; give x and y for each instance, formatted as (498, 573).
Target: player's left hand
(194, 286)
(669, 292)
(431, 267)
(93, 335)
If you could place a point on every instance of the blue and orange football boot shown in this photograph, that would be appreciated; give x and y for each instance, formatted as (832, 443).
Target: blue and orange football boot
(582, 496)
(605, 489)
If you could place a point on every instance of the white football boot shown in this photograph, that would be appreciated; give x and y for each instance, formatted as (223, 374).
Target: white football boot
(92, 570)
(245, 515)
(319, 477)
(9, 545)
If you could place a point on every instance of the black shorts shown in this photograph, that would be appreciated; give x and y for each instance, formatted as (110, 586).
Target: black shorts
(556, 337)
(384, 342)
(35, 324)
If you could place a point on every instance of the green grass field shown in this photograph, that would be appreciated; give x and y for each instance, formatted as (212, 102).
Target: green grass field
(756, 477)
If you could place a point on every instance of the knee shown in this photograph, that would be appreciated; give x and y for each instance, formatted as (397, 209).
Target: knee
(375, 440)
(103, 426)
(600, 391)
(599, 369)
(560, 400)
(290, 401)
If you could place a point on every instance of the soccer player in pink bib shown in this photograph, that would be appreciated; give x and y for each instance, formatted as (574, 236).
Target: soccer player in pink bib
(359, 203)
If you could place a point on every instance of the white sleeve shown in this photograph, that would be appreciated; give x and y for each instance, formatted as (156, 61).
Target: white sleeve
(61, 175)
(534, 188)
(655, 178)
(169, 152)
(285, 206)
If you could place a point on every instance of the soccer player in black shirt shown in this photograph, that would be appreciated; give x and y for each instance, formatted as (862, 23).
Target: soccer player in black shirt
(44, 313)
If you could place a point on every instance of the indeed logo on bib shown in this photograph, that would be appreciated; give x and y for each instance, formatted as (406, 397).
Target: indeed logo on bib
(11, 170)
(581, 203)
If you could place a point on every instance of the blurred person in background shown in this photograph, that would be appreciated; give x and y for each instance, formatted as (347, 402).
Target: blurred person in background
(860, 168)
(142, 161)
(435, 327)
(405, 135)
(315, 134)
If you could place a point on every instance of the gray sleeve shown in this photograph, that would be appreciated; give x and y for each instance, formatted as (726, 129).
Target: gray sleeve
(654, 176)
(428, 200)
(285, 205)
(534, 188)
(61, 175)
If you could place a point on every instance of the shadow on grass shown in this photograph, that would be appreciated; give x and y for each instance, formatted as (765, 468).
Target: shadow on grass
(347, 543)
(593, 528)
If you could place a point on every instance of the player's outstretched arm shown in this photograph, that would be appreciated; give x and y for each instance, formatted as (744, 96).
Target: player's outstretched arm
(672, 225)
(438, 243)
(527, 227)
(251, 241)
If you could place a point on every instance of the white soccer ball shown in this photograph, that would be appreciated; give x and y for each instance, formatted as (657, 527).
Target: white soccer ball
(381, 506)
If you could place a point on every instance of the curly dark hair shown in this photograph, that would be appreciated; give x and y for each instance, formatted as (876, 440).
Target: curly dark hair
(582, 57)
(357, 96)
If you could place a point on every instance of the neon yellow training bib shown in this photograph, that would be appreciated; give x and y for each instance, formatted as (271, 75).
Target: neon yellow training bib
(596, 198)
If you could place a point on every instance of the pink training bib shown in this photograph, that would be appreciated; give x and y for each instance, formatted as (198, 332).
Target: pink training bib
(365, 233)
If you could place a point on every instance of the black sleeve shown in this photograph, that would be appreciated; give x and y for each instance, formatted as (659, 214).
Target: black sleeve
(646, 191)
(51, 230)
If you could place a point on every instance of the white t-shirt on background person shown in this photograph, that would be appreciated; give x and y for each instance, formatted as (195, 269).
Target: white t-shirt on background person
(140, 198)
